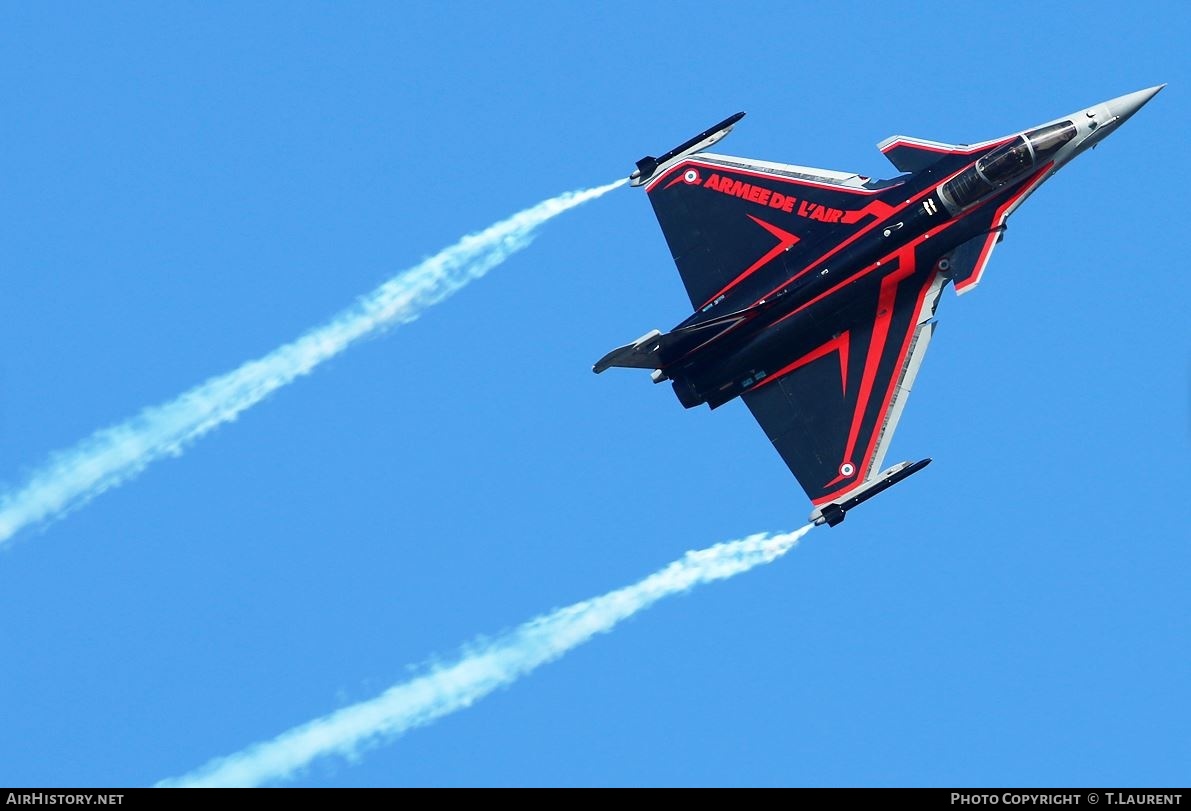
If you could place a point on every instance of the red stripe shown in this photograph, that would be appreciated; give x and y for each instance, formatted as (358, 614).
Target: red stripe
(876, 346)
(785, 240)
(837, 480)
(917, 241)
(901, 359)
(837, 344)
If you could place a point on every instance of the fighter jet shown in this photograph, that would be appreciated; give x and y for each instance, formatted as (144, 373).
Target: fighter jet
(814, 291)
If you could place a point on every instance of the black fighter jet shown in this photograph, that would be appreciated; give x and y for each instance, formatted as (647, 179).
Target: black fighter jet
(814, 290)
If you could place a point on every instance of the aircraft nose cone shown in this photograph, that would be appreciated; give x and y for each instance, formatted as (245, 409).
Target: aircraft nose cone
(1128, 104)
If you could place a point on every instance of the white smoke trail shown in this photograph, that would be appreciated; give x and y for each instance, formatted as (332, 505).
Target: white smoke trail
(114, 455)
(481, 670)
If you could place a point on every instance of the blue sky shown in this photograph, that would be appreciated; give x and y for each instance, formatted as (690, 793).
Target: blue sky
(189, 186)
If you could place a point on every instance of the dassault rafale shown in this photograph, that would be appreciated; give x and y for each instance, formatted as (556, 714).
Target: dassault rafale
(814, 291)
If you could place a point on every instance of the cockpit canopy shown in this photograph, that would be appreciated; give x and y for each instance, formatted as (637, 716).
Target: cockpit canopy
(1006, 164)
(1046, 141)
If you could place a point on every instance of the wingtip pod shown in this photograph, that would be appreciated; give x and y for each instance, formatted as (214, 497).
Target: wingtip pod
(833, 514)
(648, 166)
